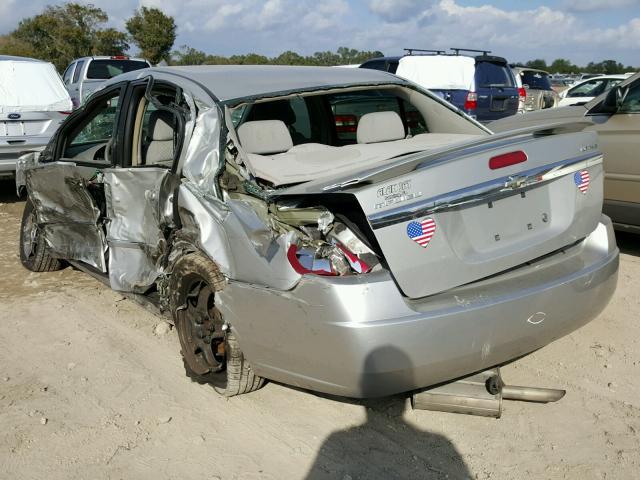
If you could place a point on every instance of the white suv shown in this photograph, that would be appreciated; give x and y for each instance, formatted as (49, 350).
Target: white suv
(84, 75)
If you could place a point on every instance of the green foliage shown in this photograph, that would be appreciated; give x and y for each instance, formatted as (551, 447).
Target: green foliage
(538, 63)
(562, 65)
(343, 56)
(608, 67)
(153, 32)
(110, 42)
(186, 55)
(9, 45)
(64, 32)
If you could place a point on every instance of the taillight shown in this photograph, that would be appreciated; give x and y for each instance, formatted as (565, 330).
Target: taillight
(346, 123)
(303, 260)
(119, 57)
(65, 113)
(471, 103)
(507, 159)
(522, 93)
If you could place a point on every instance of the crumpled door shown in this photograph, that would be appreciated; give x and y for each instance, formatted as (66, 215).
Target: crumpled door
(67, 214)
(134, 235)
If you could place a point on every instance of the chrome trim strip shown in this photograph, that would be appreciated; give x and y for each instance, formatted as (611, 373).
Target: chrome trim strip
(485, 192)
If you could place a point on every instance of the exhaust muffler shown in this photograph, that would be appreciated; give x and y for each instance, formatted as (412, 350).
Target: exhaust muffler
(480, 394)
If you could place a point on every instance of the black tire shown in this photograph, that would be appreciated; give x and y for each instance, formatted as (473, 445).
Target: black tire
(195, 276)
(34, 252)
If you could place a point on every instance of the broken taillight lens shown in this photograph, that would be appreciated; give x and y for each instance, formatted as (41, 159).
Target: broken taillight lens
(304, 261)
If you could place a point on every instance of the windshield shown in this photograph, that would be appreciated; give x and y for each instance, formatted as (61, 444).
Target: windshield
(536, 80)
(106, 69)
(490, 74)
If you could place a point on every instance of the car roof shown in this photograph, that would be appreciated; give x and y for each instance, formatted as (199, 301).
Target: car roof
(620, 76)
(19, 59)
(107, 57)
(235, 82)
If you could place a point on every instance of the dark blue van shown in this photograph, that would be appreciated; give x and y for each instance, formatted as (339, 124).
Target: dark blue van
(492, 94)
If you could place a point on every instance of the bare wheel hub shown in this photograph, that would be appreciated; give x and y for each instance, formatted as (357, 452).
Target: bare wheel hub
(30, 235)
(200, 329)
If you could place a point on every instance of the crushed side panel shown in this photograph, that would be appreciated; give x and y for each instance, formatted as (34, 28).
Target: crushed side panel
(67, 214)
(134, 235)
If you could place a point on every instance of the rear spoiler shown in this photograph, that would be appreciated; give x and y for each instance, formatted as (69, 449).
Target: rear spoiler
(413, 161)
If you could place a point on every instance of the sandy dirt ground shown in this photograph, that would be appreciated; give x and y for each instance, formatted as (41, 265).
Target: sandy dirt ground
(88, 390)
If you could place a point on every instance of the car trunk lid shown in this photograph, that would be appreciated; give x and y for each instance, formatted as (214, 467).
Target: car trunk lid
(450, 223)
(447, 219)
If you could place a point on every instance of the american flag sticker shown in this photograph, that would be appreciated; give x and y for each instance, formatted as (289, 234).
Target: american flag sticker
(421, 232)
(581, 179)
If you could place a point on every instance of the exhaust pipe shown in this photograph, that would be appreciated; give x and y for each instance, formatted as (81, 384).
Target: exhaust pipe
(480, 394)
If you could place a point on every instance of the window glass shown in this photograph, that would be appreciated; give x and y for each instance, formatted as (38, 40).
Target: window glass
(592, 88)
(612, 83)
(490, 74)
(376, 65)
(302, 125)
(106, 69)
(66, 78)
(631, 103)
(76, 73)
(349, 107)
(158, 139)
(100, 128)
(536, 80)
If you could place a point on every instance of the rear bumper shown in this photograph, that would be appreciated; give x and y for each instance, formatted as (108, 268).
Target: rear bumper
(9, 154)
(359, 337)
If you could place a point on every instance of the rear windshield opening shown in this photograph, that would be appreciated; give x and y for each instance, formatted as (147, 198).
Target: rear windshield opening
(106, 69)
(536, 80)
(490, 74)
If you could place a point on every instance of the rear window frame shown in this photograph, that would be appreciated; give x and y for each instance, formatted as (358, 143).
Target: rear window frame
(102, 61)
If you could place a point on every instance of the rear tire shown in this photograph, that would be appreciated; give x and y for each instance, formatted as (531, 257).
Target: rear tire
(34, 252)
(210, 354)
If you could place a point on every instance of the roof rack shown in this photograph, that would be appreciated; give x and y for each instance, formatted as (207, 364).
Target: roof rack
(421, 50)
(458, 50)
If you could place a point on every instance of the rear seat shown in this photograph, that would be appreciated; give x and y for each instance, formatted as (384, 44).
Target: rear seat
(271, 155)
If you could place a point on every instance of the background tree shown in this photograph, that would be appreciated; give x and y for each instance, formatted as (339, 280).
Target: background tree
(538, 63)
(153, 32)
(62, 33)
(186, 55)
(9, 45)
(562, 65)
(110, 42)
(607, 67)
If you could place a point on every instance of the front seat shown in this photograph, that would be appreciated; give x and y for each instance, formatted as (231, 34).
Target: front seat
(159, 144)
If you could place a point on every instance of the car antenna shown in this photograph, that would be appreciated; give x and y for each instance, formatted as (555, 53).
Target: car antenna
(421, 50)
(458, 50)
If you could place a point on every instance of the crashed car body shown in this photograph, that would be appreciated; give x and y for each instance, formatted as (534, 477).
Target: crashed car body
(415, 252)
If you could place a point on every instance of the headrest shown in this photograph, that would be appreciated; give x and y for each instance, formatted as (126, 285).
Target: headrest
(161, 124)
(265, 137)
(380, 127)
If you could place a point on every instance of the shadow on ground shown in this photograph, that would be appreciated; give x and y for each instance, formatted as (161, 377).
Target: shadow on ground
(386, 446)
(8, 191)
(628, 243)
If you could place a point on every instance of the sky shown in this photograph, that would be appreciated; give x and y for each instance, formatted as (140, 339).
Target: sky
(520, 30)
